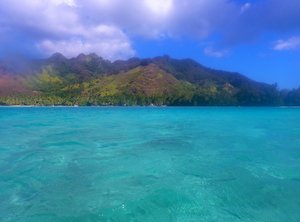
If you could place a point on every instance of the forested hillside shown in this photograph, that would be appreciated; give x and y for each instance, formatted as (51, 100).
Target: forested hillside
(91, 80)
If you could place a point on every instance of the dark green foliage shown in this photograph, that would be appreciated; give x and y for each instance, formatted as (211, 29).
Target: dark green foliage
(91, 80)
(292, 98)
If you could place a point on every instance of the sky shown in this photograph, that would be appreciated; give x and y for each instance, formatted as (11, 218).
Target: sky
(258, 38)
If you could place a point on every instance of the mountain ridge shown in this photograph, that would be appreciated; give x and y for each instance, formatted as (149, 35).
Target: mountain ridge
(91, 80)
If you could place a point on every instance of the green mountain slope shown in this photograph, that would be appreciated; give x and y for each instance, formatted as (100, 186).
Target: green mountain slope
(143, 85)
(91, 80)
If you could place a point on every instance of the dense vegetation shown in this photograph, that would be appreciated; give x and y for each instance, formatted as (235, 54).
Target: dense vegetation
(91, 80)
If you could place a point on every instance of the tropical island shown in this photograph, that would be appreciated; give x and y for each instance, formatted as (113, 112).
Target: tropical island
(88, 80)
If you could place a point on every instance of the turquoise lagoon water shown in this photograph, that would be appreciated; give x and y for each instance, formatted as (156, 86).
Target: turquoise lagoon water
(149, 164)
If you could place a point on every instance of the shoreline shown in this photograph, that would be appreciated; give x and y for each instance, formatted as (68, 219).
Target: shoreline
(137, 106)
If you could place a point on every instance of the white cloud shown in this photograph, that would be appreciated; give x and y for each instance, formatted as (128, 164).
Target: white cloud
(289, 44)
(67, 22)
(57, 26)
(60, 21)
(67, 2)
(159, 7)
(106, 26)
(210, 51)
(107, 41)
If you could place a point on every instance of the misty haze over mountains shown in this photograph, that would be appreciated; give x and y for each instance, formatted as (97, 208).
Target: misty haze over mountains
(91, 80)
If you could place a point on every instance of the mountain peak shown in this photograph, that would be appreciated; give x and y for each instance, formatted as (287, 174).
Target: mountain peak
(89, 79)
(88, 57)
(93, 55)
(57, 57)
(81, 56)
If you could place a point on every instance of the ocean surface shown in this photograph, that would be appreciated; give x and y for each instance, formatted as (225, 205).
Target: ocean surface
(155, 164)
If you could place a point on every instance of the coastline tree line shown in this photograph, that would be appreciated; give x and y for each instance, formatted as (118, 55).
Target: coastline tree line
(90, 80)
